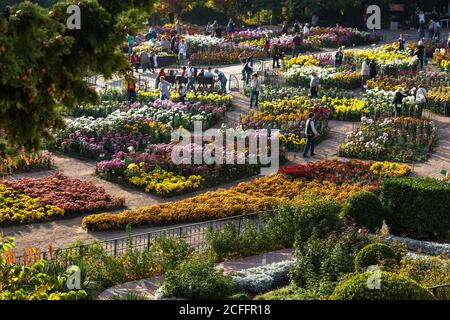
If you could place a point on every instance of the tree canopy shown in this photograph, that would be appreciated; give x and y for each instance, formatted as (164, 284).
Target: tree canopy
(44, 65)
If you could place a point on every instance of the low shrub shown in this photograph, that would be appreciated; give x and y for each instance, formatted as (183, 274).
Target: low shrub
(322, 262)
(417, 207)
(299, 221)
(375, 254)
(428, 271)
(264, 278)
(196, 279)
(365, 209)
(392, 287)
(279, 231)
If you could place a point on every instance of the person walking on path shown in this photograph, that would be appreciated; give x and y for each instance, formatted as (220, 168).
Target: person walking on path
(422, 28)
(190, 72)
(297, 41)
(182, 52)
(248, 68)
(431, 27)
(297, 27)
(420, 53)
(164, 88)
(365, 73)
(135, 61)
(314, 85)
(131, 88)
(222, 79)
(178, 27)
(373, 69)
(398, 101)
(338, 58)
(145, 61)
(421, 94)
(306, 31)
(275, 52)
(255, 86)
(310, 133)
(284, 28)
(230, 26)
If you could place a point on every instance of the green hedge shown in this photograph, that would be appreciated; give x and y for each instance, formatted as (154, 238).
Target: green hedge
(365, 209)
(417, 207)
(392, 287)
(374, 254)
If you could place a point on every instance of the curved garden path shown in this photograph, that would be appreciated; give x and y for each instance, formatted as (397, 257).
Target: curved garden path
(62, 233)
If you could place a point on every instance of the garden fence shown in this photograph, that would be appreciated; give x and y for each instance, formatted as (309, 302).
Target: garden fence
(194, 234)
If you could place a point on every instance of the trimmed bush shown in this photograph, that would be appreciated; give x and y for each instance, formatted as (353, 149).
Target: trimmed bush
(417, 207)
(196, 279)
(374, 254)
(365, 209)
(392, 287)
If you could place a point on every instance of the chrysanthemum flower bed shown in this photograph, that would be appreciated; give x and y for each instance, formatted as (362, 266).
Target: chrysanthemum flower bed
(391, 139)
(69, 196)
(324, 179)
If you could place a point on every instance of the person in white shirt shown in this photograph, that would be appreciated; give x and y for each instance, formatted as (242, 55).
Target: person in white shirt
(255, 84)
(365, 72)
(306, 31)
(421, 94)
(314, 85)
(208, 73)
(182, 52)
(311, 133)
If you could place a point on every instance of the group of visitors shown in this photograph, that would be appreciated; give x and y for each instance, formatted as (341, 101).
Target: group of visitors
(215, 30)
(299, 28)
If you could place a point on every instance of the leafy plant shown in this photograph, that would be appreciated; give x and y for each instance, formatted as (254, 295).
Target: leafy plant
(365, 209)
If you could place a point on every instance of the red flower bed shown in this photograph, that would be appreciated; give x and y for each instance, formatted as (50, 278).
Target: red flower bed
(334, 171)
(71, 195)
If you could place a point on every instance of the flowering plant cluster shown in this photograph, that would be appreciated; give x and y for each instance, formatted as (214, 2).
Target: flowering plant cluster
(441, 58)
(204, 98)
(72, 195)
(133, 129)
(329, 77)
(379, 103)
(26, 162)
(392, 139)
(161, 182)
(17, 208)
(270, 93)
(390, 60)
(439, 100)
(345, 109)
(347, 172)
(136, 168)
(289, 115)
(410, 81)
(257, 195)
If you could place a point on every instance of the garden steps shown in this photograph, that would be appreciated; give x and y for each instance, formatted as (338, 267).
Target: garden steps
(148, 287)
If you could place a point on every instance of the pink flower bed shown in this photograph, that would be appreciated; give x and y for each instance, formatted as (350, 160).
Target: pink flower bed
(72, 195)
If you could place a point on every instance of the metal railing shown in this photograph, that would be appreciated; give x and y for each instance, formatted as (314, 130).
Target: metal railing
(194, 235)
